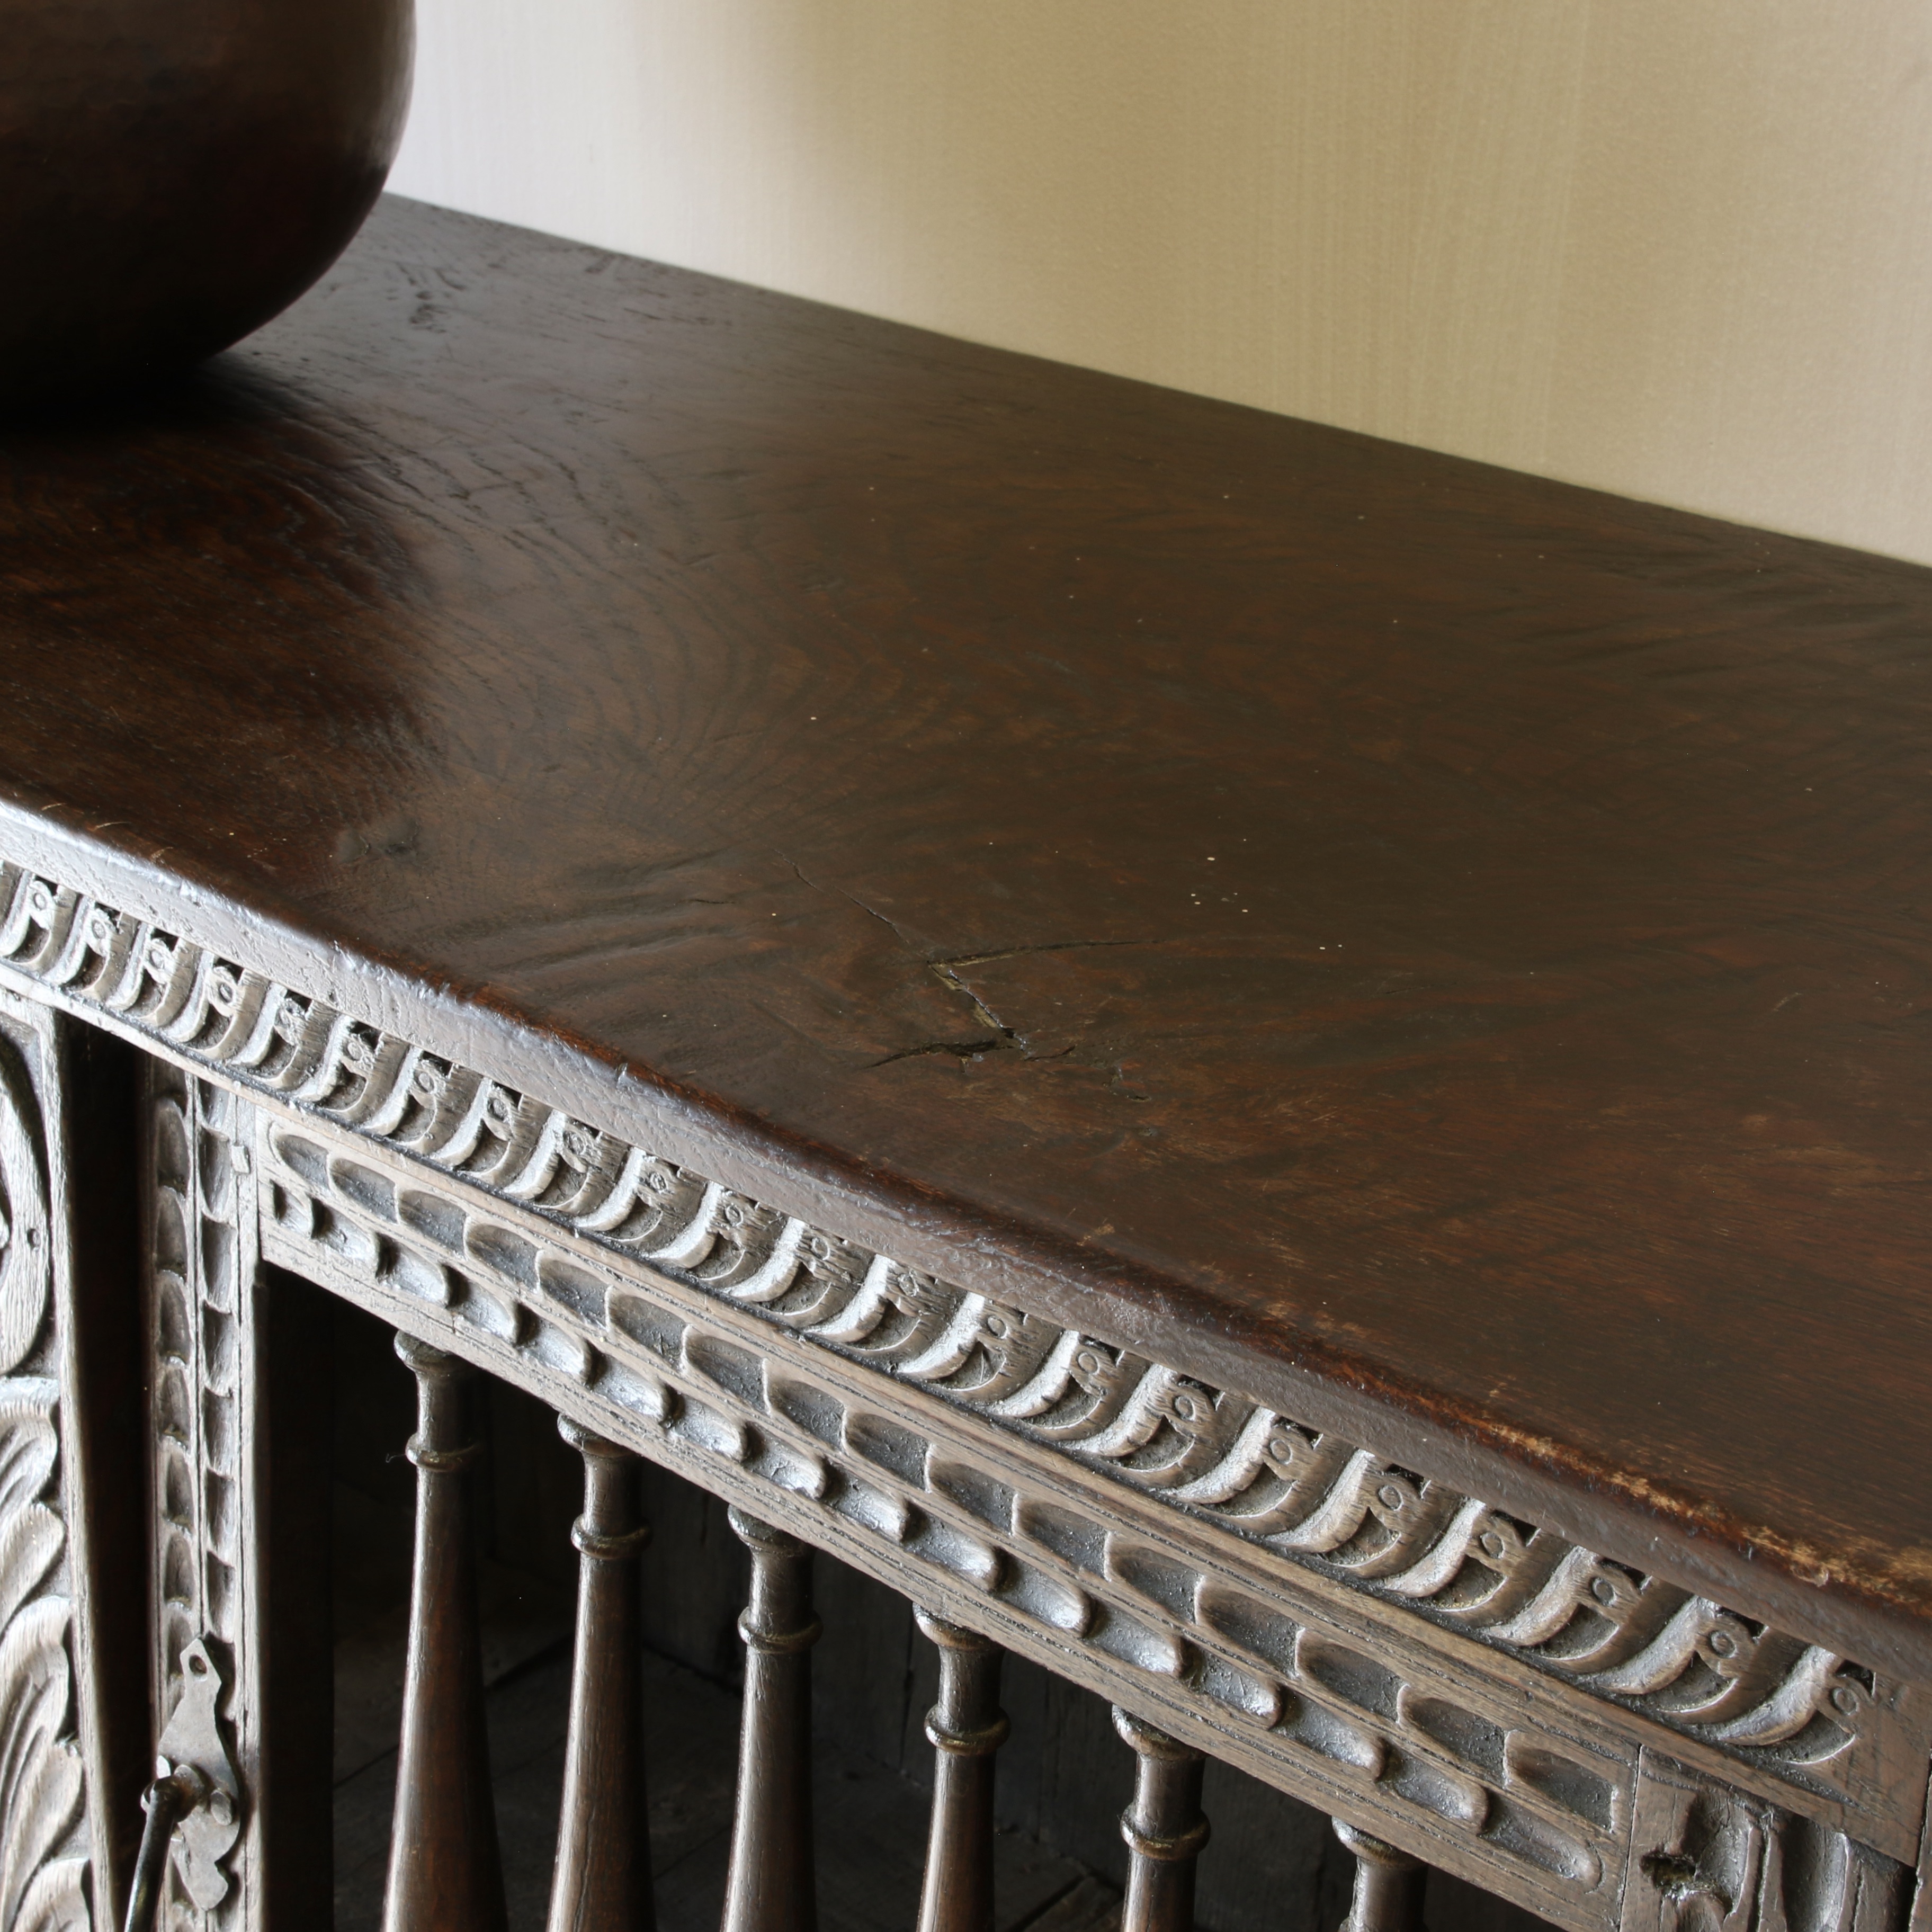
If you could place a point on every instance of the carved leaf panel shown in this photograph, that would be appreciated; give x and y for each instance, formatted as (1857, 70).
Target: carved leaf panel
(47, 1877)
(1711, 1858)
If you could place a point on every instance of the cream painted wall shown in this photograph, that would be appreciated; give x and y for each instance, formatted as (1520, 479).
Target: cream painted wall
(1679, 249)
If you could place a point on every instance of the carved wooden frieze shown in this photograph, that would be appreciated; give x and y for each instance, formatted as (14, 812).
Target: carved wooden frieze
(45, 1878)
(1503, 1784)
(201, 1258)
(1228, 1475)
(1478, 1762)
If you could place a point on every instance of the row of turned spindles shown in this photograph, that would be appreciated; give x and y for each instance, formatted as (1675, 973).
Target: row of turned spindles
(445, 1873)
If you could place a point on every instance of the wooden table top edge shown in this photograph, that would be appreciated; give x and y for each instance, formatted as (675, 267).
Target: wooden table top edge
(1650, 1529)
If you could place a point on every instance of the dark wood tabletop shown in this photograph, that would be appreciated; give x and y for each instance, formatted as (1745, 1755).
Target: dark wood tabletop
(1438, 949)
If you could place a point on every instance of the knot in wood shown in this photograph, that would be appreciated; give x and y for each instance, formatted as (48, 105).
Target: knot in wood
(608, 1547)
(1676, 1875)
(980, 1743)
(760, 1535)
(441, 1462)
(1185, 1844)
(1151, 1742)
(778, 1643)
(1373, 1851)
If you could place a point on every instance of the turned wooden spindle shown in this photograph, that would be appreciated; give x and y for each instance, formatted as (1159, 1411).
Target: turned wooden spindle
(445, 1875)
(1388, 1885)
(1163, 1827)
(966, 1726)
(772, 1888)
(602, 1879)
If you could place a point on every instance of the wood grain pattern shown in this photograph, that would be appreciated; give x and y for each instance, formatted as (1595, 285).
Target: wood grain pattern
(1434, 946)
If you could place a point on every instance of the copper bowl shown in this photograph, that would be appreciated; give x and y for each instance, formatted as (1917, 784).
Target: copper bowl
(173, 172)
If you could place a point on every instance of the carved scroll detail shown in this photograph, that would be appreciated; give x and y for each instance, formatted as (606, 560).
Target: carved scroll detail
(1222, 1459)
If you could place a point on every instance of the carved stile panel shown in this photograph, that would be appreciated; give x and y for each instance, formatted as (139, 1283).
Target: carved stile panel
(201, 1315)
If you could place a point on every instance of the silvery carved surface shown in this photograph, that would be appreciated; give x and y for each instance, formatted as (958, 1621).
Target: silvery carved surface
(1680, 1658)
(1711, 1858)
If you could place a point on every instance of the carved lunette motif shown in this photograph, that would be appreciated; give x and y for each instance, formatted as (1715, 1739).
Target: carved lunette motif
(1796, 1709)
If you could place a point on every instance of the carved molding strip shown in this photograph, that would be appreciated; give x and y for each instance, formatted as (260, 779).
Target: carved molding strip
(1793, 1708)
